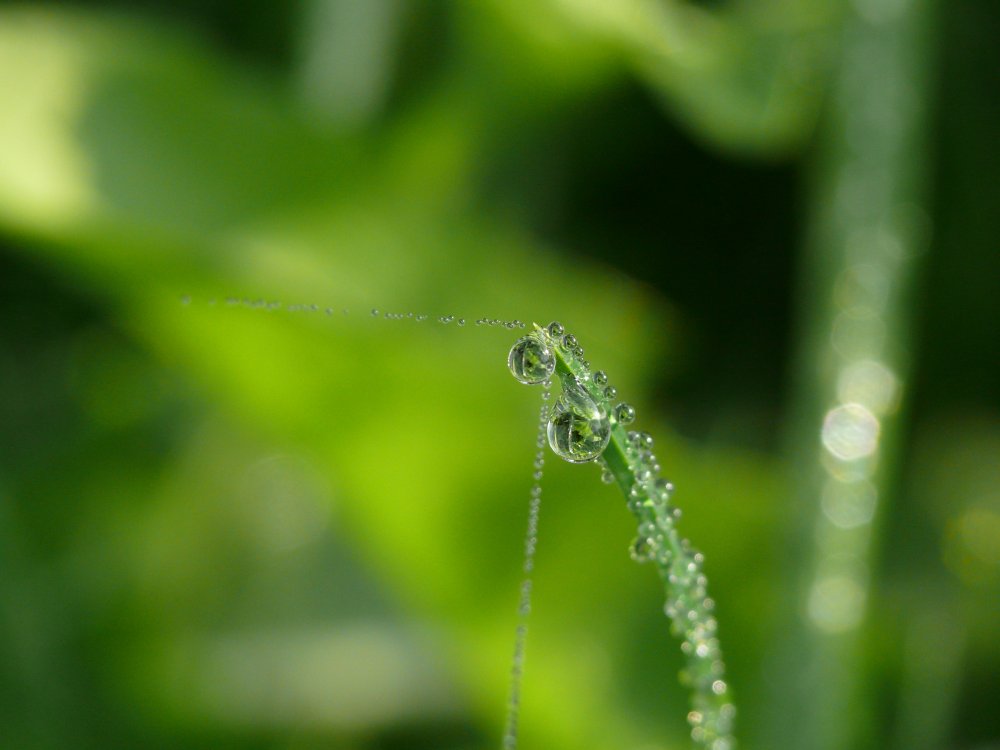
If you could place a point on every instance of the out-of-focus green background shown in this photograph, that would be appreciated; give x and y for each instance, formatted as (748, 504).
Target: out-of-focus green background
(773, 223)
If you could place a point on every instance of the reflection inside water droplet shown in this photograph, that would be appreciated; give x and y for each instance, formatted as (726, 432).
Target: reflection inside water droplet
(579, 429)
(530, 360)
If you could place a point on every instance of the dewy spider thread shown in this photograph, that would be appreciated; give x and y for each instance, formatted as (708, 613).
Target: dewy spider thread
(510, 734)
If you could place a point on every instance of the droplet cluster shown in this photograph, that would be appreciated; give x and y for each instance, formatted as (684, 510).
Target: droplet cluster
(524, 602)
(585, 425)
(688, 605)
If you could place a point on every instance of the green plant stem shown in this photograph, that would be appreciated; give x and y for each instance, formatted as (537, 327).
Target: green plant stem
(630, 460)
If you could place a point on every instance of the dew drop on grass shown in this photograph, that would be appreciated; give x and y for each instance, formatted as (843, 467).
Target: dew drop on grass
(556, 329)
(625, 414)
(640, 551)
(531, 361)
(579, 429)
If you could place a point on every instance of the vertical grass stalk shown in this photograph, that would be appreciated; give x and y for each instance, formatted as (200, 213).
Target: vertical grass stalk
(867, 234)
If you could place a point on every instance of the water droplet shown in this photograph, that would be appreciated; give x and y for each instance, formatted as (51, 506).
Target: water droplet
(601, 377)
(611, 392)
(530, 361)
(579, 429)
(569, 342)
(375, 312)
(640, 550)
(664, 488)
(625, 414)
(556, 329)
(607, 477)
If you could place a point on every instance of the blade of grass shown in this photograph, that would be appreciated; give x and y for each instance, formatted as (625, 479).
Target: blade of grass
(867, 233)
(630, 462)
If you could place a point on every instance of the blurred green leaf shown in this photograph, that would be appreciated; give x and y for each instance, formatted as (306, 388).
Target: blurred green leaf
(747, 76)
(148, 168)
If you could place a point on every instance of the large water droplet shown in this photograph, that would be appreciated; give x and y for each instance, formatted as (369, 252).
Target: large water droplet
(530, 361)
(579, 429)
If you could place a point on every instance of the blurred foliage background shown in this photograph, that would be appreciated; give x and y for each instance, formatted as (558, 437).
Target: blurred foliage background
(774, 223)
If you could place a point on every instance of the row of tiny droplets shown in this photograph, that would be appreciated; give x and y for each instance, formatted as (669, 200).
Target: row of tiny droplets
(275, 305)
(524, 602)
(688, 605)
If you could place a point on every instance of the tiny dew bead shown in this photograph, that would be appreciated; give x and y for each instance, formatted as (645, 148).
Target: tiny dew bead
(625, 414)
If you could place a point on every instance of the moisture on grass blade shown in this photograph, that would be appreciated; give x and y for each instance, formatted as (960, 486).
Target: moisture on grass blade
(588, 424)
